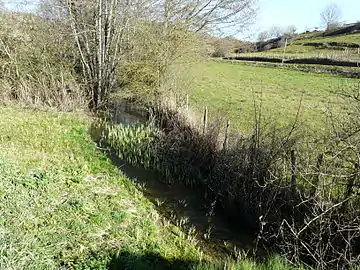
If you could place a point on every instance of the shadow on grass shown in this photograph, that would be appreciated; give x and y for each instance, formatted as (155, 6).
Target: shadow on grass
(127, 260)
(113, 260)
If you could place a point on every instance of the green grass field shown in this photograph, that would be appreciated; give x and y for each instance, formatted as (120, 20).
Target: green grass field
(63, 205)
(296, 49)
(349, 38)
(232, 89)
(299, 51)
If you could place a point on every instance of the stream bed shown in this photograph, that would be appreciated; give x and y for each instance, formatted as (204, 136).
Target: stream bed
(175, 202)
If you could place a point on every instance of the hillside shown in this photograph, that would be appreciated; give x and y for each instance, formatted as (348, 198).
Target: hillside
(232, 89)
(340, 47)
(334, 49)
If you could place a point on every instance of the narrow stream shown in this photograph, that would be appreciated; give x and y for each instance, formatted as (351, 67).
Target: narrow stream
(215, 234)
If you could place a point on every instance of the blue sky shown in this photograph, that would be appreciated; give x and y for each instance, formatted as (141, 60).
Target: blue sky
(304, 14)
(301, 13)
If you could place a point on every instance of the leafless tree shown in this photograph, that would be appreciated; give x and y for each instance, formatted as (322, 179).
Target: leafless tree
(289, 31)
(106, 31)
(273, 32)
(331, 16)
(200, 14)
(101, 32)
(277, 32)
(264, 35)
(53, 10)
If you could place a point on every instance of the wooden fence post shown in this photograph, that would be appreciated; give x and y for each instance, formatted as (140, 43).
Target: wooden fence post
(293, 169)
(283, 59)
(205, 120)
(351, 181)
(319, 164)
(227, 132)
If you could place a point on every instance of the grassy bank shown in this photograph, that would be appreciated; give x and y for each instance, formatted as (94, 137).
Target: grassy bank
(348, 72)
(299, 52)
(64, 204)
(232, 89)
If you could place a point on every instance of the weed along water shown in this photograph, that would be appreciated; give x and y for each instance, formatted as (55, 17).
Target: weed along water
(187, 208)
(183, 206)
(237, 197)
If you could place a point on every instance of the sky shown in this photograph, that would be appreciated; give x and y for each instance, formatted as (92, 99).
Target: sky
(304, 14)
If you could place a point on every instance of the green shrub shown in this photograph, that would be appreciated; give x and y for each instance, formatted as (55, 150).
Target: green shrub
(134, 144)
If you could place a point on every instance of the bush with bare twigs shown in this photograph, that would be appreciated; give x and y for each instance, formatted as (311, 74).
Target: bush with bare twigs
(37, 63)
(304, 205)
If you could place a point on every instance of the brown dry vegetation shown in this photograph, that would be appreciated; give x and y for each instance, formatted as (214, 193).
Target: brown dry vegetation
(301, 203)
(37, 63)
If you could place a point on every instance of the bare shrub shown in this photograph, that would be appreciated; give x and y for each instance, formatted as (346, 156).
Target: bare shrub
(302, 204)
(185, 154)
(321, 227)
(37, 64)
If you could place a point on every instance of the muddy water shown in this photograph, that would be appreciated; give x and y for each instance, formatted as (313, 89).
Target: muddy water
(175, 202)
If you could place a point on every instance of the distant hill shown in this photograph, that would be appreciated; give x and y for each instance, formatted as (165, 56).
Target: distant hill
(340, 39)
(339, 47)
(347, 29)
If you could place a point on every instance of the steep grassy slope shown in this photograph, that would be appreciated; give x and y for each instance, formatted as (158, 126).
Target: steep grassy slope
(301, 51)
(349, 38)
(63, 203)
